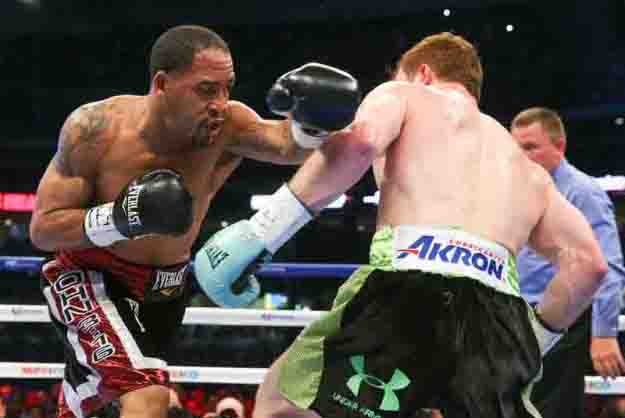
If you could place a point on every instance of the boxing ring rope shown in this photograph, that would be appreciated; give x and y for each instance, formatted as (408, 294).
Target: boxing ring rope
(192, 316)
(218, 316)
(178, 374)
(273, 270)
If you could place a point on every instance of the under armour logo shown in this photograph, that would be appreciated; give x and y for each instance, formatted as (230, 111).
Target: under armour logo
(390, 401)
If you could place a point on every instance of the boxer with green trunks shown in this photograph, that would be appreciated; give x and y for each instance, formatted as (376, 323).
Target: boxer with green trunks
(435, 320)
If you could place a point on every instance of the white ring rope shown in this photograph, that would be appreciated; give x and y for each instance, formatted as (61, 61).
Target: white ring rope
(227, 375)
(241, 375)
(202, 316)
(192, 316)
(238, 375)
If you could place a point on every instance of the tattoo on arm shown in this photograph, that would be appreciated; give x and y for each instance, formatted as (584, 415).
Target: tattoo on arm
(80, 134)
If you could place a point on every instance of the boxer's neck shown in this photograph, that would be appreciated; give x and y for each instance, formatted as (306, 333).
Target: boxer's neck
(154, 129)
(450, 86)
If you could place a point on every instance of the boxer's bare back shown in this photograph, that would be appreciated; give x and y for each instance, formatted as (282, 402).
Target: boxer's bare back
(451, 165)
(439, 161)
(461, 168)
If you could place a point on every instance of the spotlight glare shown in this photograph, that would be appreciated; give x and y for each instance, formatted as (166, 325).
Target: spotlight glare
(32, 4)
(619, 121)
(259, 201)
(446, 12)
(509, 28)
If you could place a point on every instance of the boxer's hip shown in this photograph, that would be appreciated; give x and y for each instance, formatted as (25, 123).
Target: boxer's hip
(446, 251)
(115, 326)
(93, 287)
(395, 338)
(145, 283)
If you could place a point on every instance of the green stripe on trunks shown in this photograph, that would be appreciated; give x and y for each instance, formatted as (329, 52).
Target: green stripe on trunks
(300, 374)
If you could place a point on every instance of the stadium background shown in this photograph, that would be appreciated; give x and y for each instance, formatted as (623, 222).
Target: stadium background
(56, 55)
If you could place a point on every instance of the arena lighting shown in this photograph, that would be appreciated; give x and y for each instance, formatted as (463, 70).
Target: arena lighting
(372, 199)
(509, 28)
(32, 4)
(17, 202)
(25, 202)
(259, 200)
(619, 121)
(446, 12)
(611, 183)
(608, 183)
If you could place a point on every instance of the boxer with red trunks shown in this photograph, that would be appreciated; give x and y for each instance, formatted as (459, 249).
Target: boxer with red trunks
(124, 197)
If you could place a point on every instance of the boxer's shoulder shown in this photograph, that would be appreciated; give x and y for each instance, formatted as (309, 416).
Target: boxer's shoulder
(86, 121)
(102, 119)
(91, 129)
(538, 174)
(395, 88)
(93, 119)
(538, 181)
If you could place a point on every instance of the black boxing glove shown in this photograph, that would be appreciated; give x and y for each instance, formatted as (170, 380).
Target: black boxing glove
(155, 203)
(319, 98)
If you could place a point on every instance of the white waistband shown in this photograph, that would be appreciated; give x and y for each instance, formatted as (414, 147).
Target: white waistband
(454, 252)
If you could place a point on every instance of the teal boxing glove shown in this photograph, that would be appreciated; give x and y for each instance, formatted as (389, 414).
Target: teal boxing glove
(226, 257)
(224, 265)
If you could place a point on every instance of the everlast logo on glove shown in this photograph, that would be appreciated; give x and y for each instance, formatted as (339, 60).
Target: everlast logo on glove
(157, 203)
(131, 206)
(167, 284)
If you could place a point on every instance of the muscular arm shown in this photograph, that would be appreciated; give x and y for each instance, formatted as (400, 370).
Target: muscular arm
(66, 187)
(348, 154)
(260, 139)
(598, 210)
(564, 236)
(604, 346)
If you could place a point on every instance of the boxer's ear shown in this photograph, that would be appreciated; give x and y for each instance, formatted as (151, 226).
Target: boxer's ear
(425, 74)
(159, 82)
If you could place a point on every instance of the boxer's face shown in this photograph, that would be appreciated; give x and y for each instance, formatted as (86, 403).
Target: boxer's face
(538, 145)
(199, 96)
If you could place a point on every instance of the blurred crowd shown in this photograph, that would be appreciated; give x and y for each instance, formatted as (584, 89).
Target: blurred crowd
(37, 400)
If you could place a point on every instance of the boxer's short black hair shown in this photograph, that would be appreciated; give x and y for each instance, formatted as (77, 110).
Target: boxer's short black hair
(175, 49)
